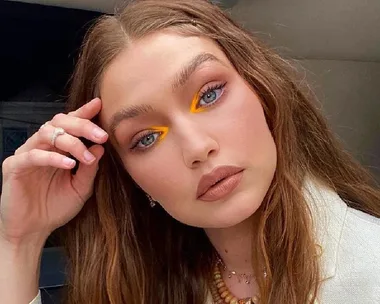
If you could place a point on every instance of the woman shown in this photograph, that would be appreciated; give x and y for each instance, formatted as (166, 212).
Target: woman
(219, 181)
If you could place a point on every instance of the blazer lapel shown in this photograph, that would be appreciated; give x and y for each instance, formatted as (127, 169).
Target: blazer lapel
(328, 215)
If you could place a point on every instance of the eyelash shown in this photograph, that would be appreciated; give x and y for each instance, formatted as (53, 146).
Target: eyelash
(141, 137)
(210, 88)
(202, 94)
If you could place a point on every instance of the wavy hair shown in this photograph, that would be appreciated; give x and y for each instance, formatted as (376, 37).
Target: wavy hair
(121, 251)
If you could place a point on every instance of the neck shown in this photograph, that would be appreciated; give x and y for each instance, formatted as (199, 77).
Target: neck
(234, 244)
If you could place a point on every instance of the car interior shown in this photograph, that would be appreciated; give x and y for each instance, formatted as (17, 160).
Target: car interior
(334, 46)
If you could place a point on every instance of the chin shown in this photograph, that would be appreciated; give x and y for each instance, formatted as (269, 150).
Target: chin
(231, 220)
(232, 212)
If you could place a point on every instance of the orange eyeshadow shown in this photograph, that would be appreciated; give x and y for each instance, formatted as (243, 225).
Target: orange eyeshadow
(164, 131)
(194, 102)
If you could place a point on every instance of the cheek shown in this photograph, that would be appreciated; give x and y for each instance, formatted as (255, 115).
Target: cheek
(247, 131)
(156, 172)
(246, 118)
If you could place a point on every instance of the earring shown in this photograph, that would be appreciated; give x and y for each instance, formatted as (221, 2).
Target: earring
(151, 200)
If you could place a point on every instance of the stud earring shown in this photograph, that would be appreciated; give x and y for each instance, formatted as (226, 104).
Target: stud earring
(152, 202)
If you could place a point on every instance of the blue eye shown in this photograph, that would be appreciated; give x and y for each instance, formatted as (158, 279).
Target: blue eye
(211, 95)
(146, 140)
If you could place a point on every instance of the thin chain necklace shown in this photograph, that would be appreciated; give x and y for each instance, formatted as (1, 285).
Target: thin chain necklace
(245, 277)
(221, 294)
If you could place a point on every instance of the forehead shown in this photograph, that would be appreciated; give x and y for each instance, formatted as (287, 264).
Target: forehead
(147, 69)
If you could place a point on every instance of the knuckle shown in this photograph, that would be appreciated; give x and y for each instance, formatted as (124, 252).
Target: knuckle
(88, 125)
(75, 143)
(57, 118)
(43, 132)
(78, 122)
(51, 157)
(21, 148)
(6, 164)
(72, 141)
(32, 154)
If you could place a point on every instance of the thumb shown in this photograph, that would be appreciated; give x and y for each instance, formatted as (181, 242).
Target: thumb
(83, 180)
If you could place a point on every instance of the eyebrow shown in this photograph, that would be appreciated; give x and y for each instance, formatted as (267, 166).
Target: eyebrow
(130, 112)
(180, 80)
(187, 70)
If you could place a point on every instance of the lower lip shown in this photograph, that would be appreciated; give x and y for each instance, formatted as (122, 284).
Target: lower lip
(222, 189)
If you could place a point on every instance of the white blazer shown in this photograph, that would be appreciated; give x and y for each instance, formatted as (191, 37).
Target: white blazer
(350, 242)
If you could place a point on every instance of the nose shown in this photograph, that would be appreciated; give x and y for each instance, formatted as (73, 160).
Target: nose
(197, 145)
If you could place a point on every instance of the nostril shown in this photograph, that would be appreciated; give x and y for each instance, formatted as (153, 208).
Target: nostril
(196, 162)
(211, 152)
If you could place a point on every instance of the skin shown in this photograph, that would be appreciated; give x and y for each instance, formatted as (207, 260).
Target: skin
(230, 129)
(194, 105)
(39, 194)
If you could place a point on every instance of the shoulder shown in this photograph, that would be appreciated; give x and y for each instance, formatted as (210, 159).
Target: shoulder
(361, 234)
(355, 261)
(357, 216)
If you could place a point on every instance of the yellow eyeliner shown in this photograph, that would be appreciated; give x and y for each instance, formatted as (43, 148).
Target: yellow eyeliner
(194, 102)
(164, 131)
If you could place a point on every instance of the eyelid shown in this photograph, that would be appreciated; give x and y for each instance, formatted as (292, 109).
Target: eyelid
(162, 129)
(157, 129)
(208, 87)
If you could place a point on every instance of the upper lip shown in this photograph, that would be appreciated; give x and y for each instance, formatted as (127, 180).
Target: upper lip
(216, 175)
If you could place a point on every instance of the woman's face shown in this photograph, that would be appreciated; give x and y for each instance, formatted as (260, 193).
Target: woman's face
(180, 111)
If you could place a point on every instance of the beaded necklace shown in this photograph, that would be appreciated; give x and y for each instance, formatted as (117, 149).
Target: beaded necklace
(222, 295)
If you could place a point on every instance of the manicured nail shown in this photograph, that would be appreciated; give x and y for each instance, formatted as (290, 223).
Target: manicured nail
(88, 156)
(99, 133)
(68, 162)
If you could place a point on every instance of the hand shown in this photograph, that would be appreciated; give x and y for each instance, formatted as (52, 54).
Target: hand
(39, 192)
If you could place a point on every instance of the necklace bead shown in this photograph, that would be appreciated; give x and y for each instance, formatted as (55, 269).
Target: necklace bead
(222, 295)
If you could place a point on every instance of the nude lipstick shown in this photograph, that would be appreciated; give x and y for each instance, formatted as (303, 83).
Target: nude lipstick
(220, 182)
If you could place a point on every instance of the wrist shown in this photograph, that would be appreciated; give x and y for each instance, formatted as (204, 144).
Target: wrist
(19, 275)
(32, 241)
(22, 256)
(22, 250)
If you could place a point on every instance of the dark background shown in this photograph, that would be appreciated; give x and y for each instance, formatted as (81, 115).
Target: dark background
(39, 47)
(39, 43)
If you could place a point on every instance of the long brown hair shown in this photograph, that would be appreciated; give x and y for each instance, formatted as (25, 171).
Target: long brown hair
(122, 251)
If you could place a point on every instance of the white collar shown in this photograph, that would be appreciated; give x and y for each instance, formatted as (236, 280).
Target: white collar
(328, 212)
(328, 216)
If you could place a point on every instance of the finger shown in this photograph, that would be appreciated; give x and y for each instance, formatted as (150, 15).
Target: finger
(45, 124)
(79, 127)
(88, 110)
(67, 143)
(37, 158)
(83, 180)
(92, 132)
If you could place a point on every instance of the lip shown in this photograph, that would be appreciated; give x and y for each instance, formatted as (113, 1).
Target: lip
(219, 182)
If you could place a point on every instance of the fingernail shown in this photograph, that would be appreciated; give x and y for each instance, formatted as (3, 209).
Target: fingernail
(89, 157)
(68, 162)
(99, 133)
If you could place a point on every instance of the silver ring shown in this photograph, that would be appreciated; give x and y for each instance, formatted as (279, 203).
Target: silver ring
(56, 133)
